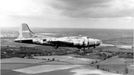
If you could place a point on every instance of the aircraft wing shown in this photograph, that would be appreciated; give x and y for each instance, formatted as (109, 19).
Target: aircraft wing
(61, 43)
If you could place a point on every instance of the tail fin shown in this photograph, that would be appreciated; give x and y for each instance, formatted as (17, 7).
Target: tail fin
(25, 31)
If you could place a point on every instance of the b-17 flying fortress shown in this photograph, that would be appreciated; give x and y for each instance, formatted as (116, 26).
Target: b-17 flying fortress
(27, 36)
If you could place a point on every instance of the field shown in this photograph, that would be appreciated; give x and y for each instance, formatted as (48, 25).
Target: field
(106, 57)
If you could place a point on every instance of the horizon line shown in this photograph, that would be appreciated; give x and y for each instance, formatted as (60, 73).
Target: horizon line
(65, 28)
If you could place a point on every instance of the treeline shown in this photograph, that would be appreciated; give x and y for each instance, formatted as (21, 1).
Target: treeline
(7, 52)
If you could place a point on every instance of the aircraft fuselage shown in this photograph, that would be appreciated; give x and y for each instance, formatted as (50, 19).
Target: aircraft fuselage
(27, 36)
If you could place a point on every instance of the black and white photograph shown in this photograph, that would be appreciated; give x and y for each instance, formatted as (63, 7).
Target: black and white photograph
(67, 37)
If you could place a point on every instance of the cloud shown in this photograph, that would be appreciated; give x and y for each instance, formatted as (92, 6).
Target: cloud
(67, 8)
(95, 8)
(14, 12)
(19, 7)
(27, 8)
(68, 13)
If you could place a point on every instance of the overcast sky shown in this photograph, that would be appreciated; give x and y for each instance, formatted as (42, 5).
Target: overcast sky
(68, 13)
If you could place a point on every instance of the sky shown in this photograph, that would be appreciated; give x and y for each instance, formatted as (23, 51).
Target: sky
(115, 14)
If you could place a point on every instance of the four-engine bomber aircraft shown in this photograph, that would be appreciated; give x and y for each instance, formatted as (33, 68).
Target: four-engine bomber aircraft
(80, 42)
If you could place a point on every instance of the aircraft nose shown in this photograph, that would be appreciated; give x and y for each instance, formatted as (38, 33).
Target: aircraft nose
(98, 42)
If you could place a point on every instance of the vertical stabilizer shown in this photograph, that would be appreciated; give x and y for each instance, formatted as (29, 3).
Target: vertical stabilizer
(25, 31)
